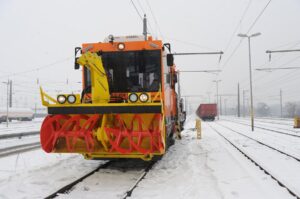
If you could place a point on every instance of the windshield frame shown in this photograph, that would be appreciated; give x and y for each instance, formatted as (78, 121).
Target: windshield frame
(151, 77)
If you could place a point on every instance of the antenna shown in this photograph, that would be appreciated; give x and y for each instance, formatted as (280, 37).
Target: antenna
(145, 27)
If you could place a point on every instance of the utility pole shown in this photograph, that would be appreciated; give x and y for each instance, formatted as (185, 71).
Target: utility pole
(251, 92)
(221, 110)
(244, 103)
(280, 68)
(280, 103)
(217, 97)
(250, 72)
(7, 100)
(10, 93)
(225, 101)
(238, 98)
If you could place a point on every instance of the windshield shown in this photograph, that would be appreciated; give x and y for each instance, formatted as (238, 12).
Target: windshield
(132, 71)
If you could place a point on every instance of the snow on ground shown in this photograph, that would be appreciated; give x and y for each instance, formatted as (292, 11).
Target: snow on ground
(4, 143)
(209, 168)
(285, 143)
(36, 174)
(286, 126)
(21, 126)
(284, 168)
(108, 183)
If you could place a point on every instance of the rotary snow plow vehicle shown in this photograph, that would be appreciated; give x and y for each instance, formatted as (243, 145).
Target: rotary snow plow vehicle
(128, 105)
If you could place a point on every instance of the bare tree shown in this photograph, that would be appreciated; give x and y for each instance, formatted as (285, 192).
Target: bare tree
(262, 109)
(290, 108)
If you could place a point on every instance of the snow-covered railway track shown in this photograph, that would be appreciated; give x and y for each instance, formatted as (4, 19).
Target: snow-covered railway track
(268, 129)
(18, 135)
(130, 190)
(273, 122)
(113, 169)
(68, 187)
(267, 159)
(262, 143)
(19, 149)
(16, 126)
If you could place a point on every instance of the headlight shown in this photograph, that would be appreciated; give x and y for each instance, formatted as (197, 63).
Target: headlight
(133, 97)
(121, 46)
(144, 97)
(71, 99)
(61, 99)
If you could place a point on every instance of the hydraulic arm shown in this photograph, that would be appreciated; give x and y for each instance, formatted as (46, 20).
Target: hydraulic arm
(100, 87)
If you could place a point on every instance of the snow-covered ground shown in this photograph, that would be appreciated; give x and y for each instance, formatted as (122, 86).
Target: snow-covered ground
(282, 167)
(16, 127)
(285, 143)
(21, 126)
(36, 174)
(209, 168)
(4, 143)
(284, 125)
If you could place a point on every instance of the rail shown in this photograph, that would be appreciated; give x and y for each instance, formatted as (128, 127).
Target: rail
(18, 135)
(19, 149)
(256, 163)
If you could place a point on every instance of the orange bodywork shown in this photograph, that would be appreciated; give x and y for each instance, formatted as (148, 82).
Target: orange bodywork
(109, 132)
(168, 94)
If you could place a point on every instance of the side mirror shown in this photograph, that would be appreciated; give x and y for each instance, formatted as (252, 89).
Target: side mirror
(168, 46)
(76, 65)
(170, 59)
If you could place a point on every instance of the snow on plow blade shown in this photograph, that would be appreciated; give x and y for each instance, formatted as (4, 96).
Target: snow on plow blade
(104, 135)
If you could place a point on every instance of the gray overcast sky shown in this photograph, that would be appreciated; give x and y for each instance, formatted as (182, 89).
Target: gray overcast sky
(37, 34)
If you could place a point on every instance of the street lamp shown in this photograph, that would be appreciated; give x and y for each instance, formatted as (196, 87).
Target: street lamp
(217, 87)
(250, 71)
(7, 101)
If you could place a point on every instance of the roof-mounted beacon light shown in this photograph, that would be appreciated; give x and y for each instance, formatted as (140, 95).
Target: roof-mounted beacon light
(111, 38)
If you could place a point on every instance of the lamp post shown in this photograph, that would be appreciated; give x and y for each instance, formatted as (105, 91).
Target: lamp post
(217, 87)
(7, 101)
(250, 71)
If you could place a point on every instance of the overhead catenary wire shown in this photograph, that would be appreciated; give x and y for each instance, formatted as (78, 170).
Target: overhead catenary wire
(282, 65)
(137, 11)
(291, 77)
(238, 25)
(37, 68)
(287, 76)
(279, 68)
(190, 43)
(155, 20)
(249, 29)
(141, 6)
(140, 15)
(258, 17)
(264, 75)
